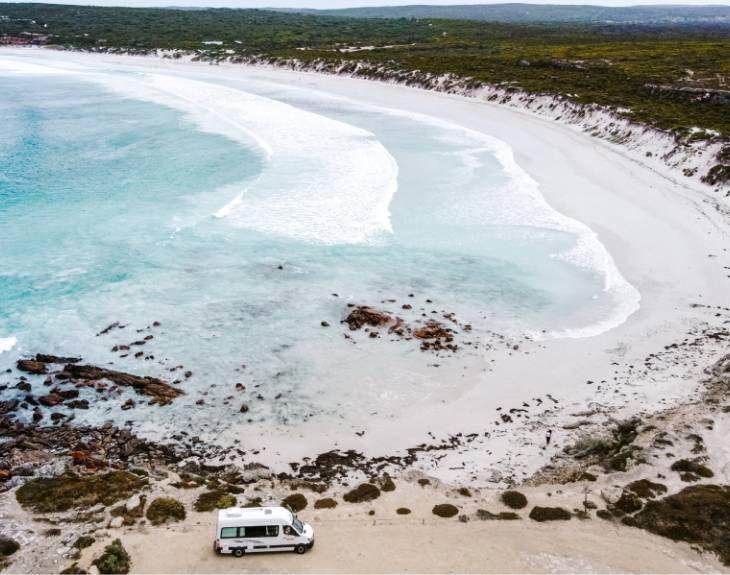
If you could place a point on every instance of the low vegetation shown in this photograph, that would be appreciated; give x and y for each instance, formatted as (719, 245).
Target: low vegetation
(673, 75)
(699, 514)
(326, 503)
(549, 514)
(445, 510)
(114, 559)
(55, 494)
(514, 499)
(362, 493)
(296, 502)
(164, 509)
(215, 499)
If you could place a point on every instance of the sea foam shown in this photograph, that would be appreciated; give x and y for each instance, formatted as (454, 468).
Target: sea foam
(523, 204)
(7, 343)
(324, 181)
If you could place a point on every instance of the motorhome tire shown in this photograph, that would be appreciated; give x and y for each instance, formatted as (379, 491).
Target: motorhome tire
(238, 552)
(300, 549)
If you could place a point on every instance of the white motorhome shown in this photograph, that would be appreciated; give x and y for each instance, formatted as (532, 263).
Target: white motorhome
(260, 530)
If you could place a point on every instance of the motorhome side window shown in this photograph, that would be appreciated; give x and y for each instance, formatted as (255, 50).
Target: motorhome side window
(229, 532)
(262, 531)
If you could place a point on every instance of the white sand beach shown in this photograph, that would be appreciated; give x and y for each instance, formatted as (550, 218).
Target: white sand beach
(669, 239)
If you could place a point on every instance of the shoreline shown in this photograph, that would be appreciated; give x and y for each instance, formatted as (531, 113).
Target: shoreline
(669, 267)
(668, 240)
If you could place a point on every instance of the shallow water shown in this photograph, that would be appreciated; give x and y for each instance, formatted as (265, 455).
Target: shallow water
(232, 211)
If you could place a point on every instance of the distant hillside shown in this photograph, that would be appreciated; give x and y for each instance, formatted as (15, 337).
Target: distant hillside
(526, 13)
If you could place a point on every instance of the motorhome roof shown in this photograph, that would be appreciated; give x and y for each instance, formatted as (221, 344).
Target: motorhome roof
(255, 515)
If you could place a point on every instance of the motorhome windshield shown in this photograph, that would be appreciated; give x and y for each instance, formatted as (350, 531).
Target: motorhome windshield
(297, 525)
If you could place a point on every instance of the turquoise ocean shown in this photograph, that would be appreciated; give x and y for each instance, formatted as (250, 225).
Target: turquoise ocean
(241, 214)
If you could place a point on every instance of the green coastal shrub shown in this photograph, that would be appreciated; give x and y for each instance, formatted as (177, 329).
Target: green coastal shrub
(362, 493)
(83, 542)
(549, 514)
(54, 494)
(514, 499)
(114, 560)
(326, 503)
(215, 499)
(296, 501)
(165, 509)
(445, 510)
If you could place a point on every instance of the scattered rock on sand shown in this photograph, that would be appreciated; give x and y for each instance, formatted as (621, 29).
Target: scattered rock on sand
(445, 510)
(549, 514)
(403, 511)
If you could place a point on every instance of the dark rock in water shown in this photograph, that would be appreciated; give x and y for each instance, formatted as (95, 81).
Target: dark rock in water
(549, 514)
(324, 323)
(362, 493)
(108, 328)
(8, 546)
(78, 404)
(24, 386)
(66, 393)
(365, 315)
(296, 501)
(445, 510)
(8, 406)
(699, 515)
(50, 400)
(45, 358)
(161, 391)
(32, 366)
(244, 408)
